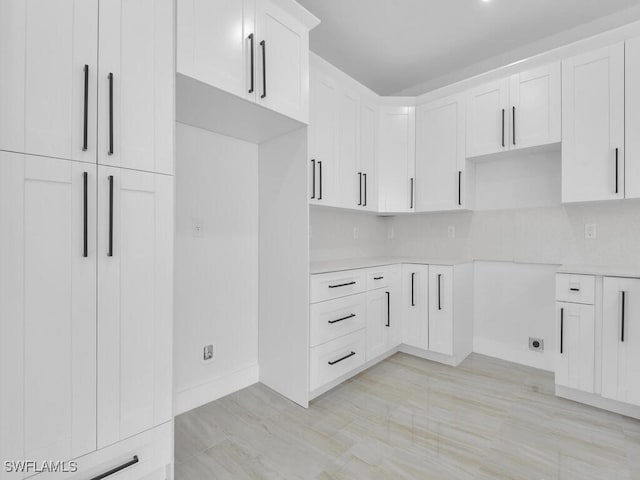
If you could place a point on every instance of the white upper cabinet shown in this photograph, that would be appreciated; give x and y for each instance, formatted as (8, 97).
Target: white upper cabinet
(216, 40)
(49, 58)
(396, 159)
(348, 160)
(135, 259)
(593, 150)
(632, 118)
(488, 119)
(47, 307)
(368, 155)
(136, 85)
(440, 155)
(255, 49)
(621, 340)
(535, 107)
(575, 360)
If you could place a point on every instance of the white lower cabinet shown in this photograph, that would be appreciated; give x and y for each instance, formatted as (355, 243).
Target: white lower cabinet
(621, 340)
(334, 359)
(441, 309)
(335, 318)
(415, 298)
(575, 362)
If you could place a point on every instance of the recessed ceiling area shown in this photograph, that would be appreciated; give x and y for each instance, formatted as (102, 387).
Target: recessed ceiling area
(413, 46)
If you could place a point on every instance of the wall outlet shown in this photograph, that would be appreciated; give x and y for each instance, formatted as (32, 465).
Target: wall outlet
(536, 344)
(451, 231)
(356, 233)
(196, 228)
(207, 353)
(391, 234)
(590, 231)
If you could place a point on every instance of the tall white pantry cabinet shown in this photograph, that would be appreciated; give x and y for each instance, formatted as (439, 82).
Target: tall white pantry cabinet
(86, 237)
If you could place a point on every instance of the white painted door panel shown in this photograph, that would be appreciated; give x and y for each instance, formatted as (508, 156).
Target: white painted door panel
(378, 322)
(214, 44)
(368, 138)
(621, 340)
(415, 301)
(134, 303)
(137, 49)
(575, 361)
(440, 155)
(47, 306)
(593, 126)
(441, 309)
(535, 107)
(632, 118)
(488, 119)
(349, 180)
(44, 47)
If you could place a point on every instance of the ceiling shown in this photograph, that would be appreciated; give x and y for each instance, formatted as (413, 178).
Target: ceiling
(412, 46)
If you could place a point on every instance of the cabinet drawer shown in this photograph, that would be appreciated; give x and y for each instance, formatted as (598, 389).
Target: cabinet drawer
(336, 318)
(333, 359)
(575, 288)
(381, 277)
(326, 286)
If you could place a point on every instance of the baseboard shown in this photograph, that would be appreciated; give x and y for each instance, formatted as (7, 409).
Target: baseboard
(197, 396)
(510, 353)
(597, 401)
(434, 357)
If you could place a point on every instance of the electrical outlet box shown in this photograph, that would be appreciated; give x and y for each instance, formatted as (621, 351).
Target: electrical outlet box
(207, 353)
(451, 231)
(196, 228)
(536, 344)
(590, 231)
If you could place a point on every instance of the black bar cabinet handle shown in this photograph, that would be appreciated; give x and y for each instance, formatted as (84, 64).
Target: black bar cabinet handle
(388, 309)
(85, 132)
(341, 319)
(616, 170)
(364, 175)
(85, 215)
(503, 127)
(342, 358)
(110, 76)
(561, 331)
(110, 252)
(117, 469)
(251, 62)
(264, 69)
(574, 289)
(320, 173)
(622, 315)
(360, 184)
(313, 178)
(342, 285)
(513, 124)
(439, 290)
(460, 188)
(413, 277)
(411, 198)
(378, 278)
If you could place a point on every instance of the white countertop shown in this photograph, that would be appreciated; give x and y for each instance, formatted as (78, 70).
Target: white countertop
(604, 270)
(367, 262)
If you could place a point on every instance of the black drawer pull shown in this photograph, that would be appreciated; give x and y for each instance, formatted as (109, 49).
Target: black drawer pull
(413, 279)
(110, 78)
(85, 215)
(110, 251)
(85, 116)
(342, 285)
(343, 318)
(115, 470)
(341, 359)
(378, 278)
(388, 309)
(573, 289)
(364, 176)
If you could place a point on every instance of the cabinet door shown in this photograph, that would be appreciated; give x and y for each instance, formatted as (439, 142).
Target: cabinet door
(214, 43)
(575, 361)
(535, 107)
(136, 85)
(488, 119)
(283, 56)
(621, 340)
(44, 48)
(396, 161)
(349, 175)
(47, 307)
(632, 118)
(593, 126)
(378, 321)
(135, 248)
(368, 138)
(440, 156)
(441, 309)
(415, 301)
(323, 140)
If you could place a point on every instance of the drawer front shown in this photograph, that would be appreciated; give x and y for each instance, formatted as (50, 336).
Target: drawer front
(331, 360)
(327, 286)
(336, 318)
(381, 277)
(575, 288)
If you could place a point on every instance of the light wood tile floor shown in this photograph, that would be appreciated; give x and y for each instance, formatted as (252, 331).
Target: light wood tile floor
(408, 418)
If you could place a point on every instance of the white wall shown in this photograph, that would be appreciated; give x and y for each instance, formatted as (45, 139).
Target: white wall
(216, 273)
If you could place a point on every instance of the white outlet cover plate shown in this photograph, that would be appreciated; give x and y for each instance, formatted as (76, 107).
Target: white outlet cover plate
(590, 231)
